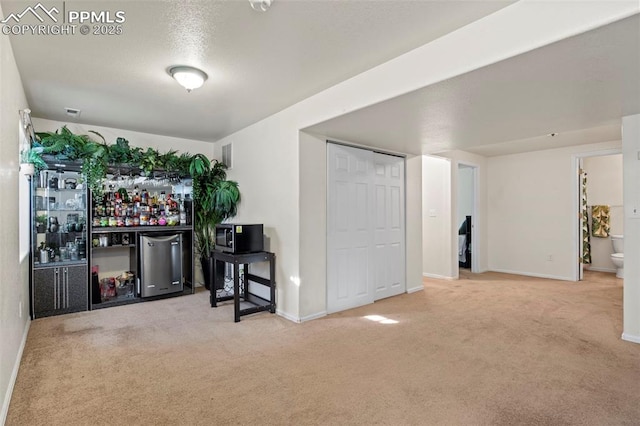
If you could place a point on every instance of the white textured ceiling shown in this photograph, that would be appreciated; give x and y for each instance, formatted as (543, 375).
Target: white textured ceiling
(579, 87)
(258, 63)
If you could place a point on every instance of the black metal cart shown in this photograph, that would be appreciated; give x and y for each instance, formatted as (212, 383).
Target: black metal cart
(257, 303)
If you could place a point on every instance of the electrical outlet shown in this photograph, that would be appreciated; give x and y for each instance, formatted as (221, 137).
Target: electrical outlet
(550, 258)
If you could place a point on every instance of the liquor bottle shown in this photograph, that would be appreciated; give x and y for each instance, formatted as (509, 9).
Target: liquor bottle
(188, 206)
(118, 205)
(183, 212)
(168, 205)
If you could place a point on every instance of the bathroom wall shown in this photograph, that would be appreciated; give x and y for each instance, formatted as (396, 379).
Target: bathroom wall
(604, 186)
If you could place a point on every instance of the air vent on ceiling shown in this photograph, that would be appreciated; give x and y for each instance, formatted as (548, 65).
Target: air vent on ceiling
(73, 112)
(227, 156)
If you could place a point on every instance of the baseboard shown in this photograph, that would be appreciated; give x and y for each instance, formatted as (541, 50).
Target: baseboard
(285, 315)
(631, 338)
(596, 269)
(314, 316)
(533, 274)
(415, 289)
(14, 376)
(439, 277)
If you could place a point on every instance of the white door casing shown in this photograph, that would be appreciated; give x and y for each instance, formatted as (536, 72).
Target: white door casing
(365, 231)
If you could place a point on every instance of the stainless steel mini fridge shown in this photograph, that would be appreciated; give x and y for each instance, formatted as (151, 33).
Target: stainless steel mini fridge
(160, 264)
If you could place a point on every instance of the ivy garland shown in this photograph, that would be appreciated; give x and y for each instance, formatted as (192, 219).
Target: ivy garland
(98, 157)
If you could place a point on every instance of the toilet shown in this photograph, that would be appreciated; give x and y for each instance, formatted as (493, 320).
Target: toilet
(618, 254)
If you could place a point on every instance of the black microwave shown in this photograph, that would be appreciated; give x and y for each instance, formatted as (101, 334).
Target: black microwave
(239, 238)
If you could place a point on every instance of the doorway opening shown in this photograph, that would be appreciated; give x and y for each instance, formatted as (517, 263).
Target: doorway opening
(597, 192)
(467, 217)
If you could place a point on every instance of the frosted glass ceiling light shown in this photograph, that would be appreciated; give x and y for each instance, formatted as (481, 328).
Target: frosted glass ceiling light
(260, 5)
(190, 78)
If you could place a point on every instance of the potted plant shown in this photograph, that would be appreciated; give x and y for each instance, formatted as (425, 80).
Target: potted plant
(31, 161)
(41, 223)
(64, 144)
(215, 200)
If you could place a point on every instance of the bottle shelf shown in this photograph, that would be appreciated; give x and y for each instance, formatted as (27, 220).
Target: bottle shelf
(77, 233)
(112, 247)
(46, 209)
(117, 301)
(140, 228)
(57, 264)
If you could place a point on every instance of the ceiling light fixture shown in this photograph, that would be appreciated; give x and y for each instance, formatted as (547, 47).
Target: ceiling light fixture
(260, 5)
(189, 77)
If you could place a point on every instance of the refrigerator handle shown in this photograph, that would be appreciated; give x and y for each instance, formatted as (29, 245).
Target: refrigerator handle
(66, 287)
(56, 288)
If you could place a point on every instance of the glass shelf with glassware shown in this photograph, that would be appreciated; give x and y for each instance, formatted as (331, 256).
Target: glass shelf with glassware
(59, 243)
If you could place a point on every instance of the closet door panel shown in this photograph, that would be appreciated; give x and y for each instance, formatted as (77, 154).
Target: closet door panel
(349, 227)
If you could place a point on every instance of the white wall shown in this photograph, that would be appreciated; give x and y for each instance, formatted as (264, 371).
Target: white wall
(465, 193)
(437, 219)
(267, 162)
(531, 211)
(604, 187)
(414, 214)
(313, 225)
(14, 287)
(139, 139)
(630, 149)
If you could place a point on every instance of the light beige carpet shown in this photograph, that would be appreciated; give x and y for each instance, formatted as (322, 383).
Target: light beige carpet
(489, 349)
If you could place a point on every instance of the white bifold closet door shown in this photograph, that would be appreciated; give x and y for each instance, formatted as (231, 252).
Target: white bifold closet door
(365, 227)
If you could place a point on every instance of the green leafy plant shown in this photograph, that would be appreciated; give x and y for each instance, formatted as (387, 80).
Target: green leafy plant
(150, 160)
(94, 165)
(33, 156)
(168, 161)
(41, 223)
(184, 163)
(120, 152)
(216, 199)
(65, 145)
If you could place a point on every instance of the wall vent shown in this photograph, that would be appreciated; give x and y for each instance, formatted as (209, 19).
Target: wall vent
(73, 112)
(227, 156)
